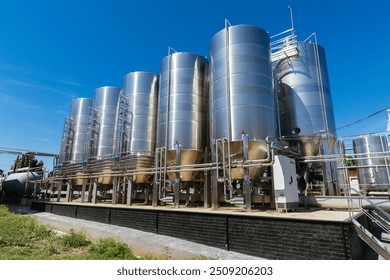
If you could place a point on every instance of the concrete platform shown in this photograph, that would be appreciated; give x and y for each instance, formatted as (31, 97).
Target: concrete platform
(302, 234)
(319, 214)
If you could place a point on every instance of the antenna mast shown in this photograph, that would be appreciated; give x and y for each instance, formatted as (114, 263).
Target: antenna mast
(292, 19)
(388, 122)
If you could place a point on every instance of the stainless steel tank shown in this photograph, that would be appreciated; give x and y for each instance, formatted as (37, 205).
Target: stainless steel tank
(78, 136)
(305, 102)
(64, 153)
(105, 104)
(241, 92)
(141, 91)
(183, 108)
(371, 152)
(341, 165)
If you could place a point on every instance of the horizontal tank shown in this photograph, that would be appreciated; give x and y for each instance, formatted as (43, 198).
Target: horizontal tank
(305, 102)
(241, 92)
(141, 92)
(371, 152)
(16, 183)
(183, 108)
(105, 104)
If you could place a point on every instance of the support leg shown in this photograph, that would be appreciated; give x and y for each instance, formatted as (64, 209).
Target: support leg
(84, 186)
(129, 191)
(59, 189)
(94, 192)
(69, 192)
(206, 190)
(114, 190)
(214, 191)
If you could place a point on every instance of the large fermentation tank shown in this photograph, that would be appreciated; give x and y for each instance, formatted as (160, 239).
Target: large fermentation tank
(183, 108)
(21, 184)
(141, 92)
(78, 133)
(371, 152)
(106, 102)
(305, 102)
(241, 92)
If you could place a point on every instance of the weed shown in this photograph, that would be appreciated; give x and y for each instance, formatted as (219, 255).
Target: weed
(110, 249)
(166, 253)
(74, 239)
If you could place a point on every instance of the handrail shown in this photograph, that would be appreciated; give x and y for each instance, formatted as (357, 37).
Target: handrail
(363, 232)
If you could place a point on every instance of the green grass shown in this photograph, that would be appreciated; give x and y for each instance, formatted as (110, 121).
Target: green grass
(23, 238)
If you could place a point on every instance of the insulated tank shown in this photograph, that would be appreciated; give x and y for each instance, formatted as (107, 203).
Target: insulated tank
(371, 152)
(305, 102)
(241, 92)
(105, 105)
(78, 136)
(141, 92)
(183, 108)
(17, 184)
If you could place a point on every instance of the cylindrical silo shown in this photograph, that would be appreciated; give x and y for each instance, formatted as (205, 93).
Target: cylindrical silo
(79, 117)
(75, 134)
(65, 149)
(241, 92)
(306, 112)
(105, 105)
(371, 152)
(183, 109)
(305, 102)
(341, 164)
(141, 91)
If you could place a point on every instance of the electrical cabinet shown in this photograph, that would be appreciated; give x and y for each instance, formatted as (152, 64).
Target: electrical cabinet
(285, 183)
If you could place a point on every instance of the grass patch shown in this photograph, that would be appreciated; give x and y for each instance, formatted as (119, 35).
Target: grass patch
(23, 238)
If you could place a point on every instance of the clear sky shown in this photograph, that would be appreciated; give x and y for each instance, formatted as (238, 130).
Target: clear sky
(54, 51)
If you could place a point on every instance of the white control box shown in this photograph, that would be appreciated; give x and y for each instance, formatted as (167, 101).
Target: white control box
(285, 183)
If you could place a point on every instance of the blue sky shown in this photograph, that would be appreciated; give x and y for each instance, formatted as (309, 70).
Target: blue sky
(53, 51)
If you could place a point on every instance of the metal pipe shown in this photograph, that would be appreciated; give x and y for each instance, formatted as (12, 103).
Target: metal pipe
(167, 116)
(222, 141)
(228, 101)
(350, 202)
(323, 103)
(281, 33)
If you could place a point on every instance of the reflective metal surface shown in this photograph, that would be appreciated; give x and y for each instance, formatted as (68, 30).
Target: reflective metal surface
(106, 104)
(79, 115)
(141, 92)
(372, 165)
(241, 92)
(305, 110)
(183, 109)
(342, 171)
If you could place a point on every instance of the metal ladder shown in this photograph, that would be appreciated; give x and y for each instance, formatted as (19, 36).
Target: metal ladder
(377, 216)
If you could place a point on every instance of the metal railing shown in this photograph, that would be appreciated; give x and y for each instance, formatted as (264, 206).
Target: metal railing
(376, 215)
(281, 40)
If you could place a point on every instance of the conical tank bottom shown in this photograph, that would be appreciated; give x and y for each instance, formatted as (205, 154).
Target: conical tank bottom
(256, 150)
(143, 163)
(105, 180)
